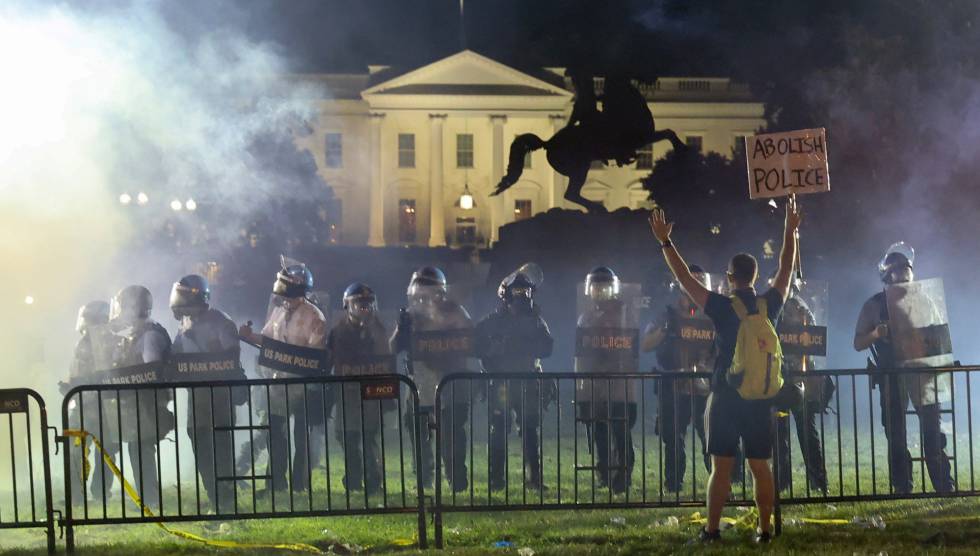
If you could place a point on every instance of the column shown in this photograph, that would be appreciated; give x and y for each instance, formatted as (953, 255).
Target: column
(437, 222)
(497, 211)
(376, 218)
(558, 182)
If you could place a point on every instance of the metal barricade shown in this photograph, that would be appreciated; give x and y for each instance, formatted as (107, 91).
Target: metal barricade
(26, 501)
(233, 450)
(585, 441)
(604, 441)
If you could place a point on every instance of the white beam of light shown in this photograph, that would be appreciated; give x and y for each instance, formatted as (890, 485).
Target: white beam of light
(52, 70)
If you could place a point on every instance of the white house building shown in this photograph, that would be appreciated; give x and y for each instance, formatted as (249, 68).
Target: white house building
(400, 148)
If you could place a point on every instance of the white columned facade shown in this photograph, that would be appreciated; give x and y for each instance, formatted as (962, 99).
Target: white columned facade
(376, 218)
(437, 222)
(497, 213)
(558, 182)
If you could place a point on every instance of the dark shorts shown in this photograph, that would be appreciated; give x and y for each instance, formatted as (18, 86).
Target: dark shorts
(729, 418)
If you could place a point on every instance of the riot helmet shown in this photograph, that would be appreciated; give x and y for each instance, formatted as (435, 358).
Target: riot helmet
(602, 284)
(426, 283)
(360, 302)
(796, 282)
(895, 266)
(91, 314)
(190, 296)
(131, 304)
(293, 280)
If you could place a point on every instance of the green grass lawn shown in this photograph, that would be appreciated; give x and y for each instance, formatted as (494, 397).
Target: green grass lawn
(938, 526)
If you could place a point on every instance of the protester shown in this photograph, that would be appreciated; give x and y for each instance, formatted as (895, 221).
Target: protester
(739, 406)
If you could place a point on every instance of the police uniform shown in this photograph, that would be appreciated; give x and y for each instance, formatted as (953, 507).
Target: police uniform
(208, 408)
(358, 423)
(507, 342)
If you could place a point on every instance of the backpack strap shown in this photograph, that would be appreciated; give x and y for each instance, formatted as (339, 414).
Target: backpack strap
(742, 311)
(739, 307)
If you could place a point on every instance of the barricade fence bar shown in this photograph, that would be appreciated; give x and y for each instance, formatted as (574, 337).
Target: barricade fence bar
(336, 446)
(242, 450)
(529, 441)
(25, 468)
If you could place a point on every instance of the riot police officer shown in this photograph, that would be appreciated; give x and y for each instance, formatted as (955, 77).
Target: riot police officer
(206, 331)
(607, 343)
(292, 320)
(141, 340)
(431, 313)
(358, 345)
(805, 408)
(681, 401)
(91, 325)
(514, 338)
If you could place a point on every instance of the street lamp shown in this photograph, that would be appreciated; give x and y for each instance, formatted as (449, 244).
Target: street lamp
(176, 205)
(191, 204)
(125, 199)
(142, 198)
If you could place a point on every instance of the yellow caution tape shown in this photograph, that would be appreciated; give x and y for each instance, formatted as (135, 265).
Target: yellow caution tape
(81, 435)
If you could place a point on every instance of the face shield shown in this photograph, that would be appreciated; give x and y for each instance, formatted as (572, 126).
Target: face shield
(896, 265)
(362, 308)
(606, 290)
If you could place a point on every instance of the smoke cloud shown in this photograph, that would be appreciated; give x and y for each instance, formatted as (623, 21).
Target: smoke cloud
(115, 105)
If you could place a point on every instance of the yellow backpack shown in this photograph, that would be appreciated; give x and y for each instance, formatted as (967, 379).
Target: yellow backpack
(756, 371)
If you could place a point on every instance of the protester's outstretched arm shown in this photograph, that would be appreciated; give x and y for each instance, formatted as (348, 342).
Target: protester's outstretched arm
(662, 229)
(787, 256)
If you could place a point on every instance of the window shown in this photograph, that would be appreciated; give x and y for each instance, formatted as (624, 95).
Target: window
(334, 152)
(406, 150)
(598, 165)
(738, 140)
(527, 160)
(464, 150)
(694, 141)
(406, 220)
(644, 158)
(522, 209)
(465, 230)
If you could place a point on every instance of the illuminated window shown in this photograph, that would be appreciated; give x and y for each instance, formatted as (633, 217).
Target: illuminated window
(644, 158)
(406, 220)
(522, 209)
(334, 152)
(406, 150)
(464, 150)
(527, 160)
(694, 142)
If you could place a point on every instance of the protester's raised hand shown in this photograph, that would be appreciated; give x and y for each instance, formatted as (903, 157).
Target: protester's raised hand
(793, 216)
(659, 225)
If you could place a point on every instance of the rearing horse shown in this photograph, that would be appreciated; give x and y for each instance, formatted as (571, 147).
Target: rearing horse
(628, 127)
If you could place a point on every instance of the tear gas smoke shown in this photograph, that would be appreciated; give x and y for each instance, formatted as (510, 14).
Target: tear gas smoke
(105, 118)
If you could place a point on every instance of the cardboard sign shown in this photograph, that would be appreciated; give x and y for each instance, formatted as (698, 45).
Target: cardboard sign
(296, 360)
(13, 402)
(208, 366)
(366, 365)
(434, 344)
(379, 389)
(794, 162)
(605, 342)
(803, 340)
(698, 333)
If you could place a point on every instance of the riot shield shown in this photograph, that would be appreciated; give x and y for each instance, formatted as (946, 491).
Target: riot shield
(918, 326)
(802, 333)
(440, 337)
(607, 342)
(295, 321)
(695, 351)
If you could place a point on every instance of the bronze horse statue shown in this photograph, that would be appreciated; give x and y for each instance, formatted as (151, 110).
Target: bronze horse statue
(623, 126)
